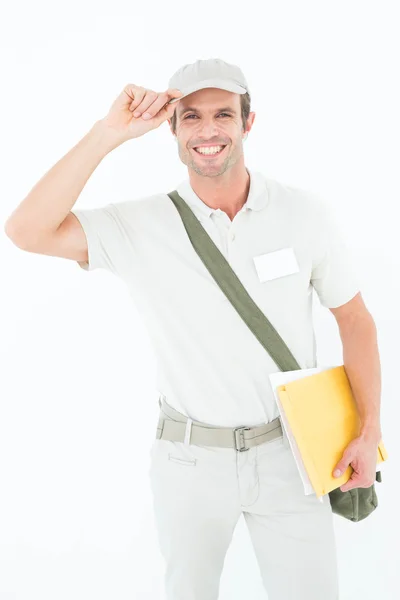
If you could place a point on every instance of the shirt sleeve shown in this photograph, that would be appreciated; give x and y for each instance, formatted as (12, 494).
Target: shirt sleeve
(107, 238)
(333, 276)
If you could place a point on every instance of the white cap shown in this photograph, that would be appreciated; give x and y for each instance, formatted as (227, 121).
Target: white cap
(209, 73)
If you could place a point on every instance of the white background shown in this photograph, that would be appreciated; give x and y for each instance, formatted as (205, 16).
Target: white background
(78, 399)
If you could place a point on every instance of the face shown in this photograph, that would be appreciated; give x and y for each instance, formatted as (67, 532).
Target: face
(210, 117)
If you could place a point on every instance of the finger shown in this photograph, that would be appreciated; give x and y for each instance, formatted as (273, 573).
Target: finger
(147, 101)
(174, 93)
(339, 470)
(346, 488)
(352, 483)
(161, 101)
(126, 97)
(343, 464)
(167, 109)
(170, 107)
(166, 112)
(349, 486)
(139, 95)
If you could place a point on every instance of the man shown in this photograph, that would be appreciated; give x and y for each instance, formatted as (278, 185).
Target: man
(213, 373)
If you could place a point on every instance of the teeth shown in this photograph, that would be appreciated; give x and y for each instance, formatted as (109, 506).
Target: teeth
(210, 150)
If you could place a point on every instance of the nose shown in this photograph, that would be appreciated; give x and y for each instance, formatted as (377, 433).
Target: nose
(208, 130)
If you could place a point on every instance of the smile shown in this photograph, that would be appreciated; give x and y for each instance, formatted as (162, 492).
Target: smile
(210, 150)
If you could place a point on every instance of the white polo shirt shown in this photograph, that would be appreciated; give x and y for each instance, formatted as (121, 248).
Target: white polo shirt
(210, 366)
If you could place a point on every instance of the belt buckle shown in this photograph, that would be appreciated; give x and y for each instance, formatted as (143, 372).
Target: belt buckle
(241, 447)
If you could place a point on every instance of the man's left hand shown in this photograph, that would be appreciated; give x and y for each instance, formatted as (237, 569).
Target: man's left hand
(362, 455)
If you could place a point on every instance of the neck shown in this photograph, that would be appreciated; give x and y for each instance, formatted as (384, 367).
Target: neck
(228, 192)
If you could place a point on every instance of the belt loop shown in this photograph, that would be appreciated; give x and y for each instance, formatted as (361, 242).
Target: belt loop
(161, 420)
(188, 431)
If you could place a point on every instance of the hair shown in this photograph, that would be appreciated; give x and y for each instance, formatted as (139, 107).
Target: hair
(245, 101)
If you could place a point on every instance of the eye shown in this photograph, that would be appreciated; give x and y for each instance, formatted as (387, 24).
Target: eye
(188, 117)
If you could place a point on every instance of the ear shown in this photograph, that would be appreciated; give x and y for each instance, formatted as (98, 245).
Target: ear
(170, 127)
(250, 121)
(252, 116)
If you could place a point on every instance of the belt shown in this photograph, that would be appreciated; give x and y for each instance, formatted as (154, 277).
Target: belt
(176, 427)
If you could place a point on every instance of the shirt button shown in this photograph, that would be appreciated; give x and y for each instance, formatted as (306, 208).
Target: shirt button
(232, 236)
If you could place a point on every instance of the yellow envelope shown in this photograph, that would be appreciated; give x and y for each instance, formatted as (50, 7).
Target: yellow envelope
(323, 417)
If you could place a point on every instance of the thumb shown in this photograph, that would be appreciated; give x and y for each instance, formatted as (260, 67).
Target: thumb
(343, 464)
(168, 109)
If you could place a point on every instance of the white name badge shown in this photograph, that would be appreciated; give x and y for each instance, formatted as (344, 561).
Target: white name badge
(276, 264)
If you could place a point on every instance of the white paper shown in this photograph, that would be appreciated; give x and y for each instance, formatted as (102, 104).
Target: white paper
(281, 378)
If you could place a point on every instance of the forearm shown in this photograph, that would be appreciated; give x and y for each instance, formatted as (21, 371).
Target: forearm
(362, 364)
(53, 196)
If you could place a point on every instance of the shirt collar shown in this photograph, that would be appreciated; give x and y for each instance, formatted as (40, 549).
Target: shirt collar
(257, 198)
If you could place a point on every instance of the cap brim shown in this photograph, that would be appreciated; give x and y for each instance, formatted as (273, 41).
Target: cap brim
(211, 83)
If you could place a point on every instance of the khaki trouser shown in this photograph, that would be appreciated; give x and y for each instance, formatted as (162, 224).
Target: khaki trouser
(199, 493)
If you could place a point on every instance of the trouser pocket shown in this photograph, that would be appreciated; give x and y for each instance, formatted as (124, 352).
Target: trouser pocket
(190, 462)
(182, 454)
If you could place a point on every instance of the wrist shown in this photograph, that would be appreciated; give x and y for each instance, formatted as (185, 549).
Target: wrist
(107, 138)
(371, 431)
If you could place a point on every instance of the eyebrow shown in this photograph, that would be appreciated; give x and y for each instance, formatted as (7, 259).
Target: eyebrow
(191, 109)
